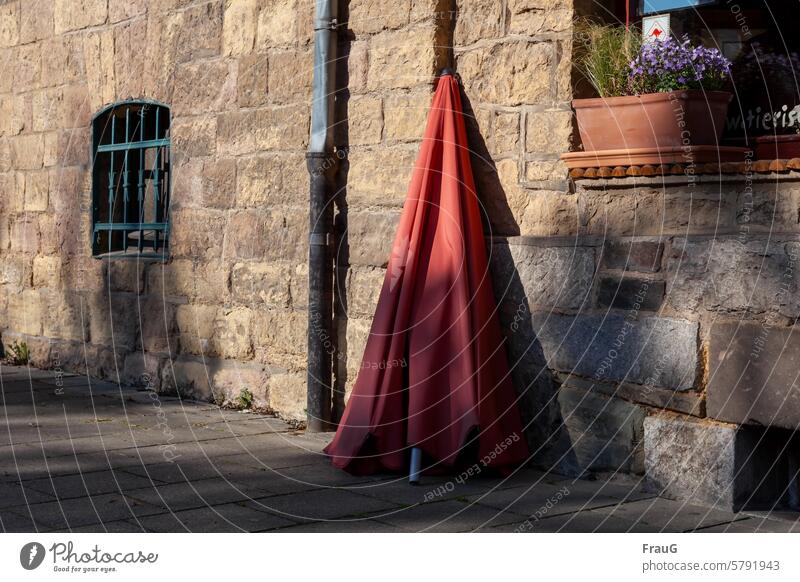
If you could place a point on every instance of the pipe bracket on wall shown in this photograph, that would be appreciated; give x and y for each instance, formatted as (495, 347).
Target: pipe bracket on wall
(326, 24)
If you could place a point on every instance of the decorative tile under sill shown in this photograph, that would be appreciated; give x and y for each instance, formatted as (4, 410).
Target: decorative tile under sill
(648, 170)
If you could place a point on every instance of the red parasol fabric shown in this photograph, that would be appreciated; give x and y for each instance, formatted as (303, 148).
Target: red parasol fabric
(435, 373)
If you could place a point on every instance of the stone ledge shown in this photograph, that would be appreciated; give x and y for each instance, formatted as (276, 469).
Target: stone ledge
(550, 185)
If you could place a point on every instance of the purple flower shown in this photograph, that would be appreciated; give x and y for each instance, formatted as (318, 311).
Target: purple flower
(670, 64)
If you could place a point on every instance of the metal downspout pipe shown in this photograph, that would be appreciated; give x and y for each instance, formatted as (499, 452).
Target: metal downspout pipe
(322, 166)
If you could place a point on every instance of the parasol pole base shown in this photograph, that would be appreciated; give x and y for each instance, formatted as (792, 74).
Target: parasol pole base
(416, 464)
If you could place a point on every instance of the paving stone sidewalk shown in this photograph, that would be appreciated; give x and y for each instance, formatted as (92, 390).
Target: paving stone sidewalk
(86, 456)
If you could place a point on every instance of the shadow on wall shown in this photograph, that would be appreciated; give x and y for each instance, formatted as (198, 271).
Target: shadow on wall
(83, 314)
(157, 340)
(117, 320)
(548, 440)
(547, 437)
(128, 311)
(342, 242)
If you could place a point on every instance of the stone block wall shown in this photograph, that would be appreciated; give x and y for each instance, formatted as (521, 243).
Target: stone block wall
(617, 295)
(514, 60)
(227, 311)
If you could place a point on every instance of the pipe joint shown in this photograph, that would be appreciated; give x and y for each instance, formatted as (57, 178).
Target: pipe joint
(322, 164)
(320, 239)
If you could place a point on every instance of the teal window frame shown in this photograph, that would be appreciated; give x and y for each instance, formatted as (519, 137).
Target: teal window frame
(131, 180)
(648, 7)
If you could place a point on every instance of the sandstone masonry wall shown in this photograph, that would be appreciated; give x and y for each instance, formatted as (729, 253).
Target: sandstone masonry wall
(392, 54)
(672, 308)
(227, 310)
(514, 59)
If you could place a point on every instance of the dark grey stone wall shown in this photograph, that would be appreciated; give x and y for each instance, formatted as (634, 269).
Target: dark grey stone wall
(671, 355)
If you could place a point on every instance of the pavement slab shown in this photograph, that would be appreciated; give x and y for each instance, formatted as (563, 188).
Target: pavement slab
(195, 494)
(118, 526)
(755, 525)
(11, 522)
(69, 513)
(229, 517)
(325, 504)
(446, 517)
(83, 484)
(668, 515)
(14, 494)
(579, 522)
(337, 526)
(541, 500)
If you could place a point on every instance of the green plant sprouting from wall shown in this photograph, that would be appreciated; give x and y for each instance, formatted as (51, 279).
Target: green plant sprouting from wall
(245, 399)
(19, 354)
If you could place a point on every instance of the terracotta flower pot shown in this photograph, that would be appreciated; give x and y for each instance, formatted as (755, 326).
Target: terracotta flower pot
(656, 120)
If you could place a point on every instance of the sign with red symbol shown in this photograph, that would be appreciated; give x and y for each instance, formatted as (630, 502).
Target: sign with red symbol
(655, 27)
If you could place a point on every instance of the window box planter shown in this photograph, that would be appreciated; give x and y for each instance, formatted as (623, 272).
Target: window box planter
(778, 147)
(660, 102)
(656, 128)
(674, 119)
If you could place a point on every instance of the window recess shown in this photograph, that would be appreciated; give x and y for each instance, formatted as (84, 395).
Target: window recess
(131, 176)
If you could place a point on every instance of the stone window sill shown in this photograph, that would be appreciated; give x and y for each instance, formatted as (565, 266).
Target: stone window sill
(144, 257)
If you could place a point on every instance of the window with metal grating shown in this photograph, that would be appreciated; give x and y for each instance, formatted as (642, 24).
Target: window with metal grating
(131, 180)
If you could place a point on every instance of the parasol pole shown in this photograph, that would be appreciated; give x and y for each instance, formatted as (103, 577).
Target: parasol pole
(416, 465)
(628, 14)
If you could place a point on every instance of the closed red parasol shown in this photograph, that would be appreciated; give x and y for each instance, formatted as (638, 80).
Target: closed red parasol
(434, 373)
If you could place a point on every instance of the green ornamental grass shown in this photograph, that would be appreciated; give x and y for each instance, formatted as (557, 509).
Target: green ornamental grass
(603, 54)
